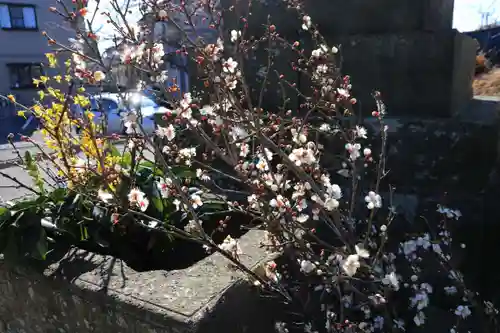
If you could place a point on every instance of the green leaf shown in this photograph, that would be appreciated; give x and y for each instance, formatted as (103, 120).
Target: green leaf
(183, 171)
(214, 205)
(127, 159)
(147, 165)
(58, 195)
(158, 202)
(5, 215)
(84, 235)
(33, 171)
(114, 151)
(42, 247)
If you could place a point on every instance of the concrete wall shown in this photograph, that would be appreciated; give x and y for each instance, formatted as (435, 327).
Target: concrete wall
(339, 17)
(464, 63)
(403, 48)
(83, 292)
(413, 71)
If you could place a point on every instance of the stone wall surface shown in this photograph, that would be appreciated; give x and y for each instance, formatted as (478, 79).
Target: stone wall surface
(87, 292)
(413, 71)
(407, 49)
(338, 17)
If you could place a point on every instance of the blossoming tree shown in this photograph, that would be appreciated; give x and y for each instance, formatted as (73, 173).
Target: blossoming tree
(307, 174)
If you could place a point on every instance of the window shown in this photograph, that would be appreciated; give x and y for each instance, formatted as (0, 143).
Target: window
(18, 17)
(22, 75)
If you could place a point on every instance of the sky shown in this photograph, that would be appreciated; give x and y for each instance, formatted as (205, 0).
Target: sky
(467, 14)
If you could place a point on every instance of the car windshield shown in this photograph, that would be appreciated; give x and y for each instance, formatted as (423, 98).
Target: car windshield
(93, 104)
(142, 101)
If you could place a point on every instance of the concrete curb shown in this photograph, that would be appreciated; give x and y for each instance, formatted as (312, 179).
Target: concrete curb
(88, 289)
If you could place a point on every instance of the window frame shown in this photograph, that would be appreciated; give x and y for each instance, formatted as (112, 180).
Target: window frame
(21, 6)
(18, 65)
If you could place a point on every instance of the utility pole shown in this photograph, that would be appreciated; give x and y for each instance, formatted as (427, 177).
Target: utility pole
(487, 13)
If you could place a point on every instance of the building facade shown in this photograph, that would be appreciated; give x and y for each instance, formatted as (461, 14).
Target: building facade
(23, 47)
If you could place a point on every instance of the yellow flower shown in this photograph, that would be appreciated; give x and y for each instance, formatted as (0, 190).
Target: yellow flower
(99, 76)
(37, 109)
(21, 114)
(11, 98)
(81, 100)
(90, 115)
(52, 59)
(58, 78)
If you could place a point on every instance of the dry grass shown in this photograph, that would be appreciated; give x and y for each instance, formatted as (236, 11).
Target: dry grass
(487, 84)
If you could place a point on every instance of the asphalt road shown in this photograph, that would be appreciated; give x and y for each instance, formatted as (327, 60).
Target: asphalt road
(9, 189)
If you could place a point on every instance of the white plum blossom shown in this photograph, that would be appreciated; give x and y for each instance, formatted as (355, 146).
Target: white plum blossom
(335, 50)
(185, 106)
(104, 196)
(302, 218)
(334, 191)
(391, 280)
(195, 200)
(297, 137)
(362, 252)
(450, 290)
(420, 300)
(244, 149)
(306, 22)
(367, 152)
(262, 164)
(215, 50)
(351, 264)
(232, 81)
(201, 174)
(424, 242)
(373, 200)
(325, 128)
(318, 52)
(322, 69)
(253, 201)
(330, 204)
(280, 202)
(462, 311)
(235, 35)
(137, 198)
(361, 132)
(164, 186)
(409, 247)
(302, 156)
(166, 132)
(157, 54)
(353, 150)
(232, 246)
(344, 93)
(307, 266)
(229, 66)
(450, 213)
(130, 122)
(419, 318)
(238, 133)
